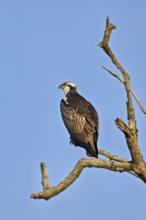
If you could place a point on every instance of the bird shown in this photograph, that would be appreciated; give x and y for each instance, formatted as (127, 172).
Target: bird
(80, 118)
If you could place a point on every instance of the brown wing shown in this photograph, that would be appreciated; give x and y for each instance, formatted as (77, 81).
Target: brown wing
(81, 121)
(81, 128)
(73, 121)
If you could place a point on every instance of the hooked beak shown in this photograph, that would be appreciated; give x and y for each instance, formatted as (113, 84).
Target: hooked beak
(60, 86)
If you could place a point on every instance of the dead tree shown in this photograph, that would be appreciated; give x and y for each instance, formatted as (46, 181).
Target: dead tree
(137, 165)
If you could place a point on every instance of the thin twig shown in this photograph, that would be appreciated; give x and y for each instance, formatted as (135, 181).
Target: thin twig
(111, 156)
(138, 102)
(132, 92)
(113, 74)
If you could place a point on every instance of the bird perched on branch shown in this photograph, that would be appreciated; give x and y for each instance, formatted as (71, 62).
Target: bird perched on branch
(80, 119)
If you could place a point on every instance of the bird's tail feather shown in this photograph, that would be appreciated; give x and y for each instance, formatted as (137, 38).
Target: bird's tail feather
(90, 152)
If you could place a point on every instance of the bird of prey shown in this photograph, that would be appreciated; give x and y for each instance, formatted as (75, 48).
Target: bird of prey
(80, 119)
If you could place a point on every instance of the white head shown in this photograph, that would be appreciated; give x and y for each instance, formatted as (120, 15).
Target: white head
(68, 87)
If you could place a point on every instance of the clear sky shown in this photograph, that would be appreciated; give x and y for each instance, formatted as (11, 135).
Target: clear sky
(42, 44)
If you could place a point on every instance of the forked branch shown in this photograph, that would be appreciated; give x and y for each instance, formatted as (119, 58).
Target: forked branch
(53, 191)
(130, 131)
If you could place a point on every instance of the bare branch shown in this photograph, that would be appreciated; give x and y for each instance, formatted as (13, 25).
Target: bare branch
(92, 162)
(116, 158)
(122, 126)
(114, 74)
(111, 156)
(45, 179)
(130, 131)
(105, 46)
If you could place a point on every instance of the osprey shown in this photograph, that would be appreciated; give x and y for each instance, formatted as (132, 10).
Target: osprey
(80, 119)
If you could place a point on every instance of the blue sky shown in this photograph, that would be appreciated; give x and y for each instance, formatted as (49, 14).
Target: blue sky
(42, 44)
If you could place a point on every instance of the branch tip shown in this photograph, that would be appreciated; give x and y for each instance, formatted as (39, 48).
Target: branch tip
(109, 24)
(45, 178)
